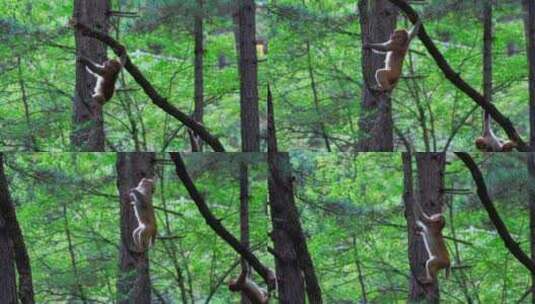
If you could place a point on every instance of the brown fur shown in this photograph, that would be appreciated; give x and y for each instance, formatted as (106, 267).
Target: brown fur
(252, 291)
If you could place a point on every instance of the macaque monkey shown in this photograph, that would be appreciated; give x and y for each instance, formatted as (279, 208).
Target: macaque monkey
(430, 228)
(489, 142)
(253, 292)
(106, 75)
(396, 49)
(145, 233)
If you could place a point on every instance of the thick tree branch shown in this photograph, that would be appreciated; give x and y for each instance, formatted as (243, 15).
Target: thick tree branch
(460, 83)
(216, 225)
(156, 98)
(484, 197)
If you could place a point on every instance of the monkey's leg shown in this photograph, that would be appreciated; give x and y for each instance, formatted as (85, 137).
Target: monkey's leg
(382, 76)
(432, 266)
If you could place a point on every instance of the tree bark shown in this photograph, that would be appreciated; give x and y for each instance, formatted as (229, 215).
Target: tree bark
(244, 219)
(133, 285)
(290, 247)
(431, 168)
(88, 130)
(377, 22)
(198, 112)
(9, 224)
(250, 125)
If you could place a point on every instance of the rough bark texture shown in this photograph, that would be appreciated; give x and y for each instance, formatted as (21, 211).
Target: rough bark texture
(88, 132)
(430, 196)
(198, 112)
(9, 224)
(8, 288)
(244, 218)
(250, 126)
(134, 284)
(290, 247)
(377, 22)
(290, 280)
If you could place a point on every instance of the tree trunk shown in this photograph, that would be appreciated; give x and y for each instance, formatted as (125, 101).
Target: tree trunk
(290, 280)
(529, 25)
(8, 288)
(88, 131)
(487, 51)
(134, 284)
(244, 218)
(250, 125)
(79, 292)
(198, 112)
(430, 196)
(377, 22)
(9, 226)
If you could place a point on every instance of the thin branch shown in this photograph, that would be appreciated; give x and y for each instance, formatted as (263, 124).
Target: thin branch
(484, 197)
(216, 225)
(460, 83)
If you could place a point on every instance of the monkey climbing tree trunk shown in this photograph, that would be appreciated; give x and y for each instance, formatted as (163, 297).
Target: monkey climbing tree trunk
(377, 22)
(244, 218)
(133, 285)
(290, 248)
(431, 168)
(198, 112)
(11, 239)
(88, 131)
(250, 126)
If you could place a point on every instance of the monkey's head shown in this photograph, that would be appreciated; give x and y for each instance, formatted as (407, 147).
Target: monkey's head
(439, 220)
(233, 285)
(112, 65)
(400, 36)
(147, 184)
(481, 144)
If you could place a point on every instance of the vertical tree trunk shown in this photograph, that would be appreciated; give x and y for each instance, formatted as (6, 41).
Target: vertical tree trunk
(290, 247)
(377, 22)
(8, 288)
(244, 217)
(9, 226)
(250, 126)
(198, 112)
(134, 284)
(529, 25)
(430, 196)
(487, 50)
(88, 131)
(30, 143)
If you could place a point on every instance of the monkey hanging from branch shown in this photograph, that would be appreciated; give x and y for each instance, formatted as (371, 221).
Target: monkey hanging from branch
(395, 48)
(106, 75)
(430, 228)
(145, 233)
(255, 293)
(489, 142)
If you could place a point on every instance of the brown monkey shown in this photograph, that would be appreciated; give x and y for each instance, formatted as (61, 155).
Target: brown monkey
(145, 233)
(106, 75)
(430, 228)
(396, 49)
(252, 291)
(489, 142)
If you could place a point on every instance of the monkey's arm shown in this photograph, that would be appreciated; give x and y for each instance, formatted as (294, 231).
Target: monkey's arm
(415, 29)
(384, 47)
(138, 198)
(95, 68)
